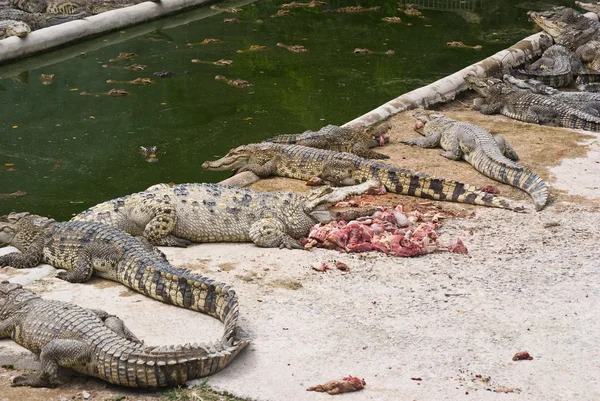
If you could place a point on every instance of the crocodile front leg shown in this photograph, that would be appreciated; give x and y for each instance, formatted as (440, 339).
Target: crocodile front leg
(102, 257)
(430, 141)
(272, 233)
(58, 352)
(266, 170)
(505, 148)
(31, 257)
(480, 105)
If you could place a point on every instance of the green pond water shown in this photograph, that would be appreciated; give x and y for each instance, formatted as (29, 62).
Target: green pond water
(70, 152)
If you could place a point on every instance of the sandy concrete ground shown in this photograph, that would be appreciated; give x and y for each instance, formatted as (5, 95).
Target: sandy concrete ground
(529, 283)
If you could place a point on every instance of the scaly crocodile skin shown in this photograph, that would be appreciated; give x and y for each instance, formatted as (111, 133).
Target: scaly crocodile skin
(491, 156)
(96, 344)
(497, 97)
(86, 248)
(304, 163)
(357, 140)
(176, 215)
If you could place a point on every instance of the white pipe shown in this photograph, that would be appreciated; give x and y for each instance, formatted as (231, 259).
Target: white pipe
(13, 48)
(446, 89)
(65, 53)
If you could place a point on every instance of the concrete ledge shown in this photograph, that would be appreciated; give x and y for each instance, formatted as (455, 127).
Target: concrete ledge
(42, 40)
(446, 89)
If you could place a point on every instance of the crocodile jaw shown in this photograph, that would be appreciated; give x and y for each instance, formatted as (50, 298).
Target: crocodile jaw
(234, 160)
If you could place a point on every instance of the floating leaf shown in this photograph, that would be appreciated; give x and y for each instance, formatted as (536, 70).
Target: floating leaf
(8, 164)
(73, 89)
(92, 117)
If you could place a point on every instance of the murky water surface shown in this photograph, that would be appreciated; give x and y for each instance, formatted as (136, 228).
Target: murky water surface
(69, 151)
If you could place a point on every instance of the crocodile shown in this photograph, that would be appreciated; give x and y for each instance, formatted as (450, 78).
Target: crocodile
(301, 162)
(36, 20)
(557, 67)
(95, 343)
(497, 97)
(71, 6)
(180, 214)
(584, 101)
(591, 7)
(357, 140)
(566, 26)
(87, 248)
(490, 155)
(13, 28)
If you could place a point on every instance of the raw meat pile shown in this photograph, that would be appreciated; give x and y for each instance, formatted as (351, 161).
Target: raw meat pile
(389, 230)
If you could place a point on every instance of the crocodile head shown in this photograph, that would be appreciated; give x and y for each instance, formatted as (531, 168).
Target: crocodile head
(17, 28)
(528, 84)
(234, 160)
(12, 295)
(318, 201)
(21, 229)
(423, 119)
(555, 21)
(485, 87)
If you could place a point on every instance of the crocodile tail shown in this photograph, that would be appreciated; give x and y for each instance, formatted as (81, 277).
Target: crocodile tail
(407, 183)
(555, 80)
(172, 365)
(181, 288)
(512, 174)
(288, 139)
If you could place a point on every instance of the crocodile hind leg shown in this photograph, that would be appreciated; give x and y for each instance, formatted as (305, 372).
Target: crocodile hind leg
(116, 325)
(542, 115)
(272, 233)
(505, 148)
(102, 257)
(58, 352)
(480, 105)
(338, 173)
(163, 220)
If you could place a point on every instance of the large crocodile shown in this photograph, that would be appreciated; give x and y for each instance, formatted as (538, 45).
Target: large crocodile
(176, 215)
(94, 343)
(357, 140)
(584, 101)
(37, 20)
(490, 155)
(71, 6)
(304, 163)
(87, 248)
(498, 97)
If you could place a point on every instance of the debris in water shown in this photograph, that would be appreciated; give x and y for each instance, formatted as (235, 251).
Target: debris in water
(149, 153)
(13, 195)
(123, 56)
(293, 48)
(367, 51)
(47, 79)
(240, 83)
(207, 41)
(137, 81)
(463, 46)
(253, 48)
